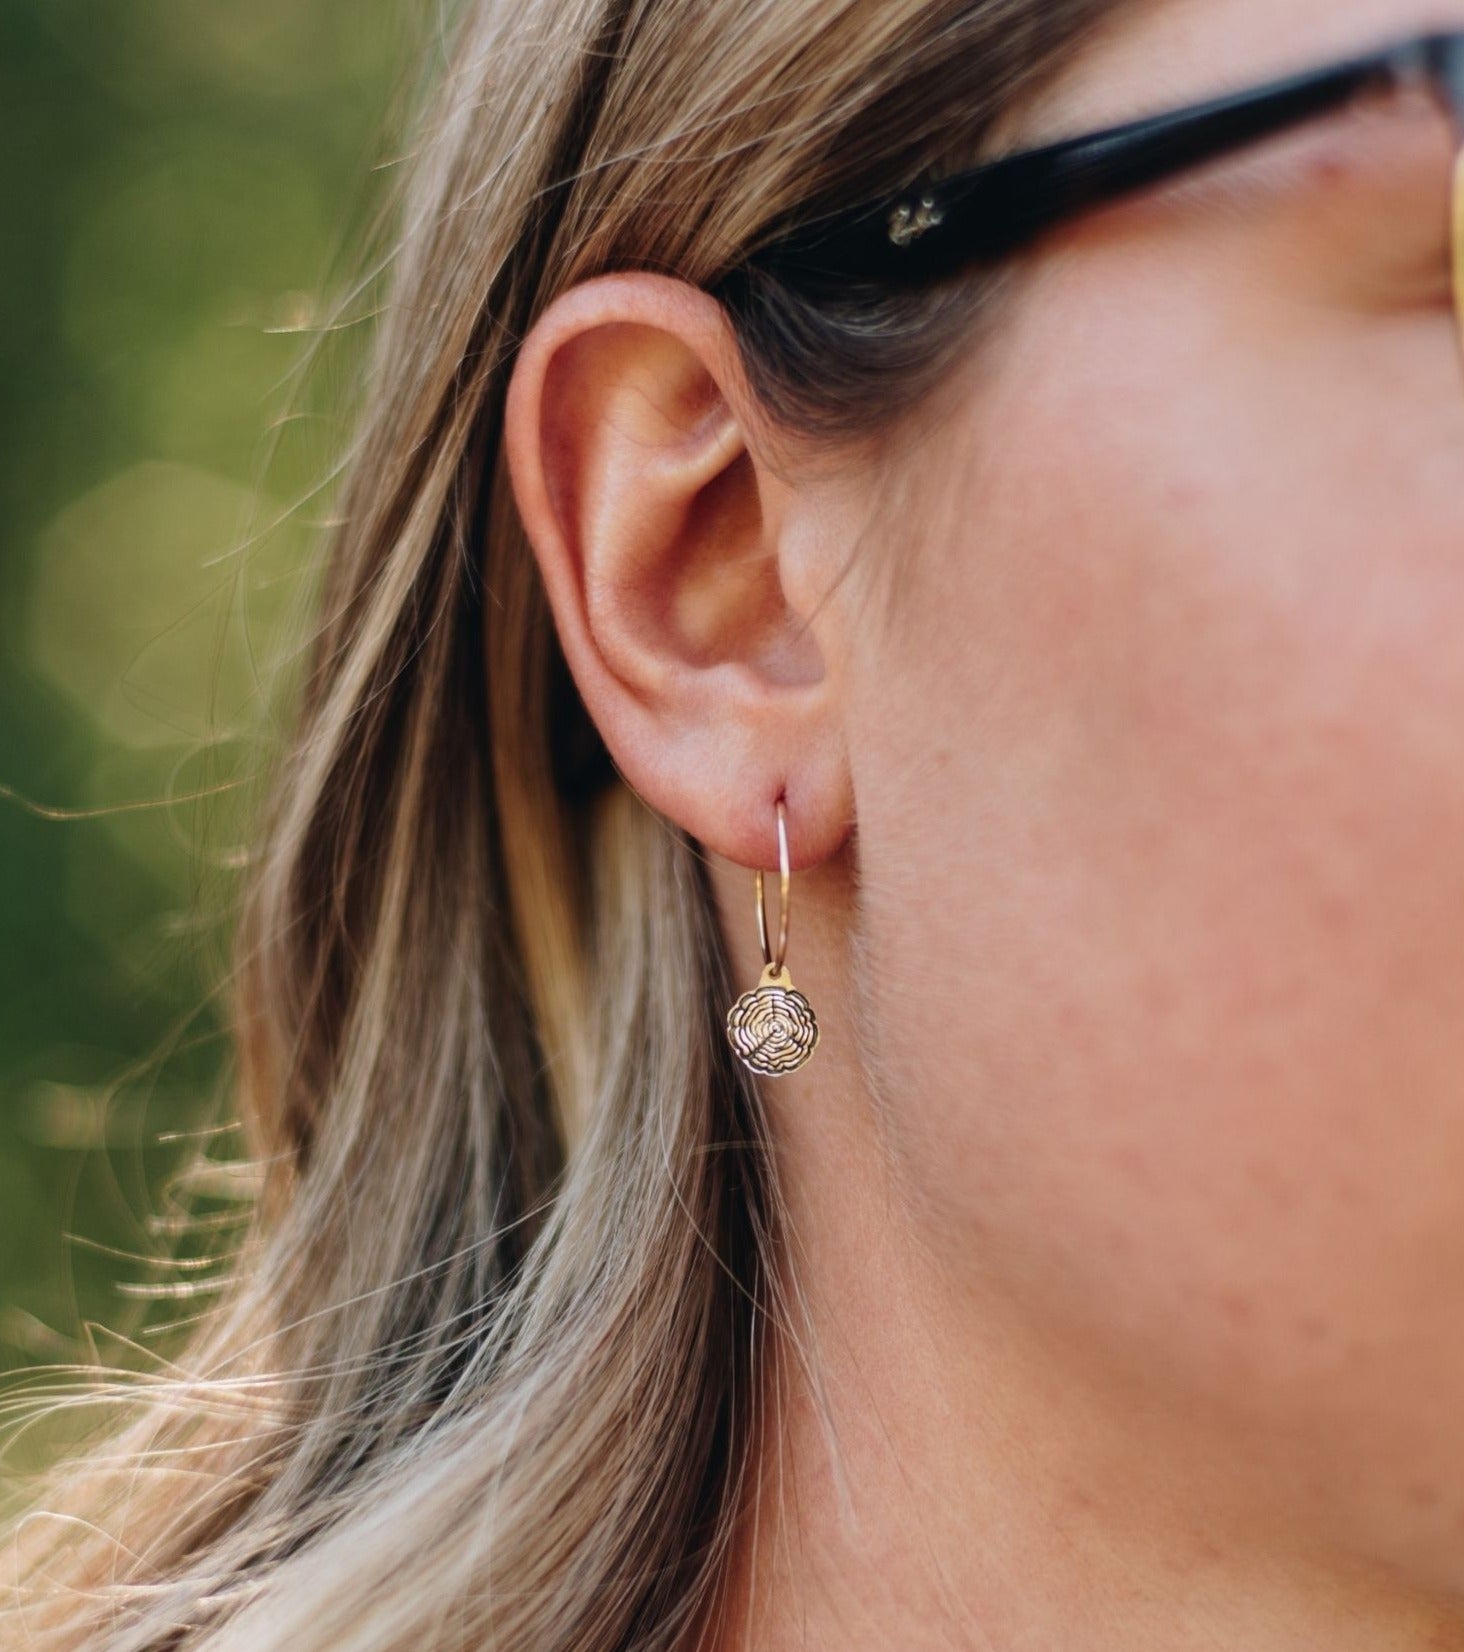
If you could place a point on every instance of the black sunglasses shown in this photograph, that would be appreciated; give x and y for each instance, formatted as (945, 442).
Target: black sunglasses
(938, 227)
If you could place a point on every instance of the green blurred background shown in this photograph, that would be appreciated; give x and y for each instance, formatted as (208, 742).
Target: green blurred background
(184, 184)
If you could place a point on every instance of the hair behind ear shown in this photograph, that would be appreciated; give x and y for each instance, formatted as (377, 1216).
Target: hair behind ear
(486, 1366)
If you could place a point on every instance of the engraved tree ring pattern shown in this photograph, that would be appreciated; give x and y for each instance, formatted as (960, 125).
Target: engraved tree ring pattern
(772, 1027)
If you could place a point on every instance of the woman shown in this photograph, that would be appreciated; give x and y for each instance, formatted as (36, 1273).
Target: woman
(1062, 566)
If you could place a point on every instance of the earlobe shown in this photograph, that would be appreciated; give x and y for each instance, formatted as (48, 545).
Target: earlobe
(638, 467)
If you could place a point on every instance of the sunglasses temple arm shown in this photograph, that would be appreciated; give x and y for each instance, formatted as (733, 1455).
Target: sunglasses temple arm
(1438, 62)
(1456, 239)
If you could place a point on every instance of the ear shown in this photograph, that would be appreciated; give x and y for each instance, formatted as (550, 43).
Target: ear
(679, 566)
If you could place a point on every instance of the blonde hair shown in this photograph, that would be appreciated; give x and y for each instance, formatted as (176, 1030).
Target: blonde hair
(487, 1370)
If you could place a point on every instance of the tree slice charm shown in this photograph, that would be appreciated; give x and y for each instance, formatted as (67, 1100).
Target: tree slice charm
(772, 1027)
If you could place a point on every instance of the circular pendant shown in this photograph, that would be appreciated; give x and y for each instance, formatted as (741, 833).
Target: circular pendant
(772, 1027)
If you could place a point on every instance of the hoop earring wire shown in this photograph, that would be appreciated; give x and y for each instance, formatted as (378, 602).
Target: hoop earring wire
(772, 1027)
(784, 880)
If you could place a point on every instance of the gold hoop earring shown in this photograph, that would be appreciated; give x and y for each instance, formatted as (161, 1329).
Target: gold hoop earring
(772, 1027)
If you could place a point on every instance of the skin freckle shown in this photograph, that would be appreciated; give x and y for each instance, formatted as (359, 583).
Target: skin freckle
(1238, 1306)
(1314, 1327)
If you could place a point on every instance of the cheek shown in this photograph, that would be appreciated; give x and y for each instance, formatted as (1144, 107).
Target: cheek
(1163, 816)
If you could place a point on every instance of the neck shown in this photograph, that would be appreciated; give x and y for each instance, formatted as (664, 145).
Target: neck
(937, 1471)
